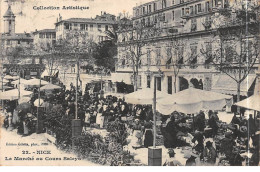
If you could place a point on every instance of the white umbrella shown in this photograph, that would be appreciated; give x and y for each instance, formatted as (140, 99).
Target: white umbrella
(50, 87)
(252, 102)
(4, 86)
(14, 94)
(9, 77)
(191, 101)
(144, 96)
(36, 103)
(22, 81)
(4, 80)
(24, 100)
(35, 82)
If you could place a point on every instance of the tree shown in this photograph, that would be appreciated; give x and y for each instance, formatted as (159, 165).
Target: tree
(133, 38)
(104, 54)
(235, 46)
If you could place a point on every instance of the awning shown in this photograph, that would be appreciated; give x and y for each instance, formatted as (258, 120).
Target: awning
(144, 96)
(226, 85)
(192, 101)
(14, 94)
(48, 72)
(252, 102)
(121, 77)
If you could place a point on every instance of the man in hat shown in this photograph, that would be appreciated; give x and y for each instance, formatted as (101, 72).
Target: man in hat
(191, 161)
(172, 161)
(209, 154)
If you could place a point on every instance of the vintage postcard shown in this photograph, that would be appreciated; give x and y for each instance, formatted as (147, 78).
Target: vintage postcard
(129, 83)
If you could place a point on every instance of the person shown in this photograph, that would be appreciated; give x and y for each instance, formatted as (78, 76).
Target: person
(235, 119)
(200, 121)
(199, 138)
(191, 161)
(209, 154)
(172, 161)
(251, 125)
(213, 124)
(170, 134)
(137, 133)
(148, 133)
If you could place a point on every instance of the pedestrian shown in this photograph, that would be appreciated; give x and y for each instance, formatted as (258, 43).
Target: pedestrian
(170, 137)
(209, 154)
(172, 161)
(148, 133)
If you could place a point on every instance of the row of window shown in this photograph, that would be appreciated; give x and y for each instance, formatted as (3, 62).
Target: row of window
(47, 35)
(68, 26)
(192, 10)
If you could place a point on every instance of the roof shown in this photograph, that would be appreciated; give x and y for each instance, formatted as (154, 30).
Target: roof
(45, 31)
(87, 20)
(9, 12)
(16, 36)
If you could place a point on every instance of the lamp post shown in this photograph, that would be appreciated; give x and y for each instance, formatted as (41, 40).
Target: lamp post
(3, 70)
(38, 127)
(155, 154)
(76, 123)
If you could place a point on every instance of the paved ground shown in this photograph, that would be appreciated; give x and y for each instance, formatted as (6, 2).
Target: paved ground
(33, 147)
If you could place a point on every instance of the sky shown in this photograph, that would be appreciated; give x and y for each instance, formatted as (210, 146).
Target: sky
(27, 19)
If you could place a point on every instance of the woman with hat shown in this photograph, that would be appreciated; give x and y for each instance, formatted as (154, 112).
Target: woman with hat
(172, 161)
(209, 154)
(137, 133)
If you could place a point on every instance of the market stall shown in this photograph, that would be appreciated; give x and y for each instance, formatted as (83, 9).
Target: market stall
(14, 94)
(144, 96)
(50, 87)
(192, 101)
(35, 82)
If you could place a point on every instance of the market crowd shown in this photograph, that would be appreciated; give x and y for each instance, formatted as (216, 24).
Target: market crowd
(208, 140)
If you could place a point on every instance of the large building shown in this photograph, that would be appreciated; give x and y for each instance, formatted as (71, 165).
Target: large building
(10, 40)
(182, 28)
(16, 49)
(92, 28)
(44, 39)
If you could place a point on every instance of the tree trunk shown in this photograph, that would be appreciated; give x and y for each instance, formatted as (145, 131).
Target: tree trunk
(238, 95)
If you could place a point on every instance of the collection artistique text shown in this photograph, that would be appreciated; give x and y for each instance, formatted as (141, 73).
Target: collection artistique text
(60, 8)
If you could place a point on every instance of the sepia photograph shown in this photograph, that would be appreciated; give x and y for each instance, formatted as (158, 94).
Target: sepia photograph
(129, 82)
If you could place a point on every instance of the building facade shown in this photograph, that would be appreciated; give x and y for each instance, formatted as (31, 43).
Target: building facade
(184, 28)
(44, 39)
(92, 28)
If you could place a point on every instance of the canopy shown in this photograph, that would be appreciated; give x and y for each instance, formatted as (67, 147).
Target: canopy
(144, 96)
(36, 102)
(4, 86)
(252, 102)
(191, 101)
(22, 81)
(35, 82)
(5, 81)
(119, 77)
(9, 77)
(50, 87)
(24, 100)
(14, 94)
(49, 72)
(226, 85)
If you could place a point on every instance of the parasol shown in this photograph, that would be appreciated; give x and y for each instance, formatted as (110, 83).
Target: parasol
(191, 101)
(50, 87)
(36, 103)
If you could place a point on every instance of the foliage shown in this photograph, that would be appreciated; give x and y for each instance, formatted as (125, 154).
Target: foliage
(60, 125)
(104, 54)
(105, 151)
(117, 132)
